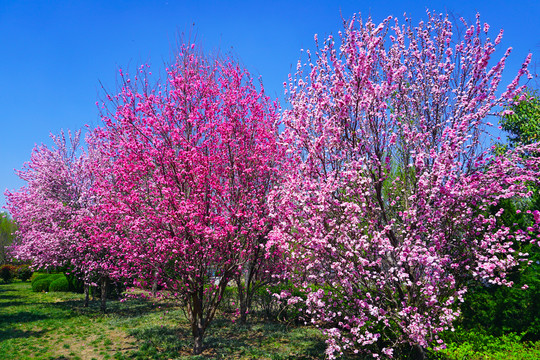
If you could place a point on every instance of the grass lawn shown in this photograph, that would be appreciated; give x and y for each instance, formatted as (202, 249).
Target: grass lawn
(56, 326)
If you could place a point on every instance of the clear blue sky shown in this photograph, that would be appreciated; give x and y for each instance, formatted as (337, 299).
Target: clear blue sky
(54, 54)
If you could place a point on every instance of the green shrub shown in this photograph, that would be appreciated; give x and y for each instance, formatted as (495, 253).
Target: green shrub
(60, 284)
(7, 272)
(42, 285)
(24, 273)
(47, 276)
(472, 344)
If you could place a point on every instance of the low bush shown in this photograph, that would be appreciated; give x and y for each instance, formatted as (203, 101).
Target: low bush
(60, 284)
(472, 344)
(38, 276)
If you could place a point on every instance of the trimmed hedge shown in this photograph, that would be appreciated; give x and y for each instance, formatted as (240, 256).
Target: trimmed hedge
(60, 284)
(41, 285)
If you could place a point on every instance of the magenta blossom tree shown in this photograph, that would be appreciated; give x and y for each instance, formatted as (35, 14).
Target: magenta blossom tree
(190, 164)
(386, 217)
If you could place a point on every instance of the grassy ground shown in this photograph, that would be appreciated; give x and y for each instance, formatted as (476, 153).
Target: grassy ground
(55, 326)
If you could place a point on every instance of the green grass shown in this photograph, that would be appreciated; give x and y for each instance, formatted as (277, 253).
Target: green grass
(55, 326)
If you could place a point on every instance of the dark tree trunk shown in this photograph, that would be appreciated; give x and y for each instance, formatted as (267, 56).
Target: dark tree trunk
(155, 284)
(419, 353)
(104, 288)
(197, 344)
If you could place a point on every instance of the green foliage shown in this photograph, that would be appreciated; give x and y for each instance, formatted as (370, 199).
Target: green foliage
(75, 284)
(279, 310)
(7, 272)
(523, 125)
(24, 273)
(499, 310)
(38, 276)
(60, 284)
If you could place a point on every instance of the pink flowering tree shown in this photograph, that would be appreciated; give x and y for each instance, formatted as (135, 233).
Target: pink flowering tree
(190, 162)
(387, 218)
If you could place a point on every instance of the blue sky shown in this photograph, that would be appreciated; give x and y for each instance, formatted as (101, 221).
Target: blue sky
(55, 54)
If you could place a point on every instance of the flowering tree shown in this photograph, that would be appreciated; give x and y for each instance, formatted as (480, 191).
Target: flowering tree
(387, 216)
(190, 163)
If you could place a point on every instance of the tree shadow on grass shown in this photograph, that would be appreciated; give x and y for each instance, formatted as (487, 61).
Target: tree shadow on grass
(21, 317)
(126, 309)
(225, 340)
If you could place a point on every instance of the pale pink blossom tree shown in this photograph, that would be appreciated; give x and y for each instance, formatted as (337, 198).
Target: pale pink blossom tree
(51, 203)
(386, 217)
(190, 162)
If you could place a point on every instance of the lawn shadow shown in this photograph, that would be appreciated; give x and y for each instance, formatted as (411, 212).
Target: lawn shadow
(166, 341)
(16, 334)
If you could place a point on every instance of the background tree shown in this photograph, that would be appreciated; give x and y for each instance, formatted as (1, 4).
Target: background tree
(183, 197)
(7, 229)
(387, 215)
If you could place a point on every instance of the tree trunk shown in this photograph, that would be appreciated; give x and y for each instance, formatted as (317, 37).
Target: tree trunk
(86, 294)
(196, 318)
(104, 286)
